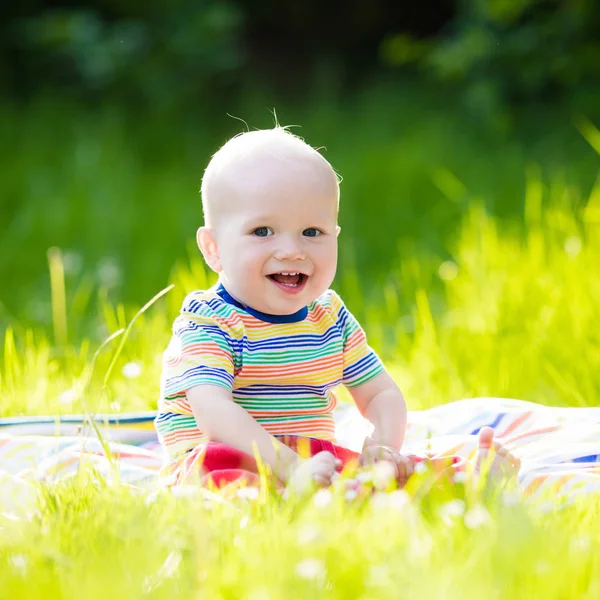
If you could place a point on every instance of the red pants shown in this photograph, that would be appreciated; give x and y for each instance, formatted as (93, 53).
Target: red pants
(217, 465)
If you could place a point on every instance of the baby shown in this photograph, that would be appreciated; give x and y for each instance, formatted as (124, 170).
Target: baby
(253, 362)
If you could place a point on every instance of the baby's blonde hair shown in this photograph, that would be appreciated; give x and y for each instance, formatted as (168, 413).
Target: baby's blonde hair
(277, 144)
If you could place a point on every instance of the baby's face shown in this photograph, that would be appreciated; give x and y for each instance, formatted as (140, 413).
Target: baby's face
(277, 239)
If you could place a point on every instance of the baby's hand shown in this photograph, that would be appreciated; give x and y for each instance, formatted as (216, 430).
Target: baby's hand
(315, 471)
(373, 454)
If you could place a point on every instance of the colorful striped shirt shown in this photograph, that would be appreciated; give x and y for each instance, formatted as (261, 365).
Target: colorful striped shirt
(281, 369)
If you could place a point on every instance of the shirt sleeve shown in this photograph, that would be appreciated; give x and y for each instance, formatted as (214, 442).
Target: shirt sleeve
(200, 353)
(361, 363)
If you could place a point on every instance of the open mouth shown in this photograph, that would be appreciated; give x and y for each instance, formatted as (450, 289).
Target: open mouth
(289, 281)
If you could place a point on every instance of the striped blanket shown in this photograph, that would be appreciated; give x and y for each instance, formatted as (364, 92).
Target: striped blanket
(559, 448)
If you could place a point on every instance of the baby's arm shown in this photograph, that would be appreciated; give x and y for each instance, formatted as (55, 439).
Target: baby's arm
(222, 420)
(381, 402)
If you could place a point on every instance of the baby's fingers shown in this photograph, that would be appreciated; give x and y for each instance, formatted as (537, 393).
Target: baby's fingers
(324, 467)
(323, 476)
(322, 479)
(326, 458)
(404, 469)
(404, 466)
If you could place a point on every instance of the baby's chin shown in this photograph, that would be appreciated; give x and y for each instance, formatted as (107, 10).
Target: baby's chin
(271, 299)
(282, 309)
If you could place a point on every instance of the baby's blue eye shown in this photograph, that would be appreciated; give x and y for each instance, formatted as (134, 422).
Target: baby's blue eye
(262, 232)
(311, 232)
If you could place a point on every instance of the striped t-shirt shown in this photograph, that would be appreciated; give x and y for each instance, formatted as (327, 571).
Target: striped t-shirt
(281, 369)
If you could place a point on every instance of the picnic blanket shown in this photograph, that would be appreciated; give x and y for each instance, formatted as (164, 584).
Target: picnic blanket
(559, 448)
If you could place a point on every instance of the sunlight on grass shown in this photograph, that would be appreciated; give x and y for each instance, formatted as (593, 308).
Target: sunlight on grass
(101, 541)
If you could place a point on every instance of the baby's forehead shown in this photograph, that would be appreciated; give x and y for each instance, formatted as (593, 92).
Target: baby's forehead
(263, 162)
(272, 148)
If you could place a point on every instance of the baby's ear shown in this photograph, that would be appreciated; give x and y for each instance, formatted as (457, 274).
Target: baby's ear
(337, 230)
(208, 246)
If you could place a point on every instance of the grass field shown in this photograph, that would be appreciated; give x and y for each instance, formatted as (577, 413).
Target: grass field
(102, 542)
(474, 273)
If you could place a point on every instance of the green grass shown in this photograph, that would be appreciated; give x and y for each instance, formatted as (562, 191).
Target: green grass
(94, 541)
(474, 273)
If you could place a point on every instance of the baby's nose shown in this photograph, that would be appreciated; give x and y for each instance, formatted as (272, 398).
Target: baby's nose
(290, 249)
(290, 254)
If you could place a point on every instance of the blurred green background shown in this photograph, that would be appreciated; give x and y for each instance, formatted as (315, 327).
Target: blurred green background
(446, 119)
(111, 111)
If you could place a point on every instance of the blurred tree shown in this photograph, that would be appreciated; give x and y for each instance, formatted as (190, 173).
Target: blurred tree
(183, 51)
(507, 51)
(157, 51)
(185, 47)
(294, 36)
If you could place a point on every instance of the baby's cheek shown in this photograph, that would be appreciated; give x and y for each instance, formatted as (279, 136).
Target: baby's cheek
(327, 267)
(255, 264)
(329, 254)
(249, 260)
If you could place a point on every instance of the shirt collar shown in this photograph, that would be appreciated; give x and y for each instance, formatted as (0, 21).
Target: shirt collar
(293, 318)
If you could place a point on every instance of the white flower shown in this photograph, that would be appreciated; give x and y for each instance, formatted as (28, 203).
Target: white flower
(109, 272)
(308, 534)
(364, 477)
(311, 568)
(461, 476)
(248, 493)
(244, 522)
(322, 498)
(510, 499)
(350, 495)
(72, 262)
(421, 467)
(380, 500)
(186, 491)
(454, 508)
(448, 270)
(476, 516)
(68, 397)
(573, 246)
(580, 544)
(398, 499)
(131, 370)
(19, 563)
(39, 310)
(384, 473)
